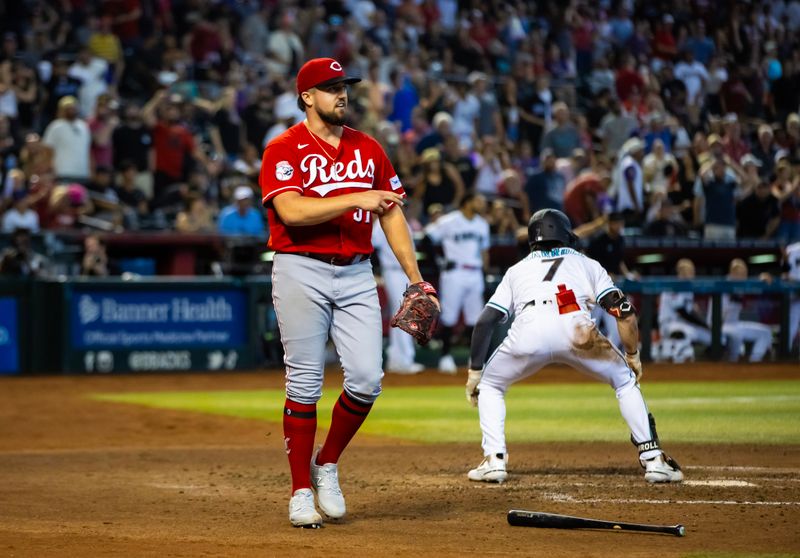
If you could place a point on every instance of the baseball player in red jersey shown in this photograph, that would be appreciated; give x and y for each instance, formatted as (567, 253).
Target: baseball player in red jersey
(323, 183)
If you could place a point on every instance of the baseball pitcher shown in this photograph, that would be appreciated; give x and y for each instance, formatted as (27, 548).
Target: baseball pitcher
(551, 293)
(323, 184)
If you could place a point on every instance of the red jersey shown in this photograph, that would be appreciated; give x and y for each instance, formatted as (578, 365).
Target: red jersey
(298, 161)
(172, 143)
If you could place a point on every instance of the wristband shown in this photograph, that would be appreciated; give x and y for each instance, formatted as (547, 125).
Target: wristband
(427, 287)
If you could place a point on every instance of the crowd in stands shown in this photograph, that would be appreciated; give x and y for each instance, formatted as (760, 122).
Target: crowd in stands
(681, 115)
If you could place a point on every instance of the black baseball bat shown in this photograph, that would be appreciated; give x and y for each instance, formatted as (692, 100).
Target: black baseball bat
(522, 518)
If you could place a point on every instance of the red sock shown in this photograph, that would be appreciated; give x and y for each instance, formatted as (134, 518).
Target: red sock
(348, 415)
(299, 428)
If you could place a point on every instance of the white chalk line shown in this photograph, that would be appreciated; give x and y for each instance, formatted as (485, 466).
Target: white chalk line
(718, 400)
(744, 469)
(566, 498)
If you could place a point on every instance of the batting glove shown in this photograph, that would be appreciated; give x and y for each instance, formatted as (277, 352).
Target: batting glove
(635, 363)
(473, 378)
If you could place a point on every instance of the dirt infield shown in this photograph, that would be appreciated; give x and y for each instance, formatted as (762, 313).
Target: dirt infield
(88, 478)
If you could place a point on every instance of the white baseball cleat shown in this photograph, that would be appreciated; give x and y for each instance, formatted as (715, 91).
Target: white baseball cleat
(662, 468)
(447, 365)
(411, 368)
(325, 480)
(491, 469)
(302, 512)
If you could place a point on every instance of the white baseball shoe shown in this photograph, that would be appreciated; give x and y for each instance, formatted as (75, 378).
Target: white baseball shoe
(447, 365)
(491, 469)
(662, 468)
(411, 368)
(302, 512)
(325, 480)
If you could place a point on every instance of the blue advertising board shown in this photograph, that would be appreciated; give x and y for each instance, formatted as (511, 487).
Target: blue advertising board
(156, 319)
(9, 336)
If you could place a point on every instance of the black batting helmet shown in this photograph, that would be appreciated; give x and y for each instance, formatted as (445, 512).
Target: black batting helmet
(549, 228)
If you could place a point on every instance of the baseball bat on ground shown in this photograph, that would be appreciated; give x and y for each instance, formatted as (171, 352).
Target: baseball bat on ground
(522, 518)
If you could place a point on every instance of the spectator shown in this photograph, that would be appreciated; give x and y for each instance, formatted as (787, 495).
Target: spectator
(765, 150)
(536, 112)
(695, 77)
(699, 44)
(61, 84)
(196, 218)
(20, 216)
(563, 138)
(734, 146)
(173, 143)
(91, 71)
(438, 181)
(102, 124)
(20, 260)
(94, 262)
(664, 219)
(453, 154)
(715, 201)
(546, 188)
(132, 142)
(616, 128)
(584, 197)
(758, 215)
(105, 45)
(36, 157)
(658, 167)
(227, 133)
(501, 218)
(628, 182)
(241, 217)
(106, 204)
(492, 161)
(285, 47)
(489, 121)
(67, 205)
(442, 128)
(132, 199)
(70, 138)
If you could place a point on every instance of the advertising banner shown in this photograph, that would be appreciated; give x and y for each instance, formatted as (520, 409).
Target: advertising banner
(9, 336)
(158, 319)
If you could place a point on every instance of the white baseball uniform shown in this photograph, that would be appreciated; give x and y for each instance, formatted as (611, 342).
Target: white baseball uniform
(544, 333)
(400, 352)
(793, 261)
(670, 322)
(461, 283)
(739, 331)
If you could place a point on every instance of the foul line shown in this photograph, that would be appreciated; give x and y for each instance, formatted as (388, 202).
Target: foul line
(572, 500)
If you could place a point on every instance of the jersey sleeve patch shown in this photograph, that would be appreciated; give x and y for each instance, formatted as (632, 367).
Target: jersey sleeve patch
(284, 171)
(395, 183)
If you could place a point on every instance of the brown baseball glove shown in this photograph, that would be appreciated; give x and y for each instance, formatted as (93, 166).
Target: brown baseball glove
(418, 314)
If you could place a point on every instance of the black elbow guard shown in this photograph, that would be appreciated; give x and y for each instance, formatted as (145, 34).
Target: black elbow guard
(617, 304)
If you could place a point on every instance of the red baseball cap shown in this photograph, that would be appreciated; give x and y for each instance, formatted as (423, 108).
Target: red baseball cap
(321, 72)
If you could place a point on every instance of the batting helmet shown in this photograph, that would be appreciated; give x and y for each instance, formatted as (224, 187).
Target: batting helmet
(550, 228)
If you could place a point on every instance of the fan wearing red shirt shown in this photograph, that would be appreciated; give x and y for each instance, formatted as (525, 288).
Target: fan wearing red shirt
(324, 184)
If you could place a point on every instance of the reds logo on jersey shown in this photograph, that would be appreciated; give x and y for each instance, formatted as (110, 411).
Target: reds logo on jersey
(339, 175)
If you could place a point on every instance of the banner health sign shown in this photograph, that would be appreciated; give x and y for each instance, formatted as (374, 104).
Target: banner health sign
(158, 319)
(9, 338)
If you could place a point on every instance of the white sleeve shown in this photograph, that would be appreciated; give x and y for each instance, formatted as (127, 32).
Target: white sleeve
(485, 240)
(601, 281)
(503, 299)
(434, 231)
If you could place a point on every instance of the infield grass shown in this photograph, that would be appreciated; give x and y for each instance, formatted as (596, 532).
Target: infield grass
(765, 412)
